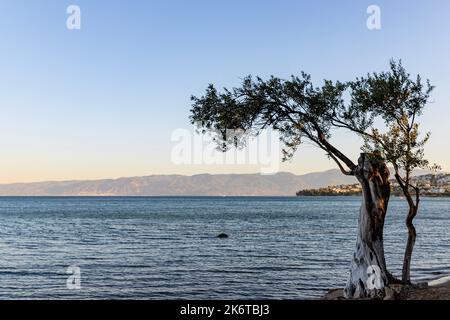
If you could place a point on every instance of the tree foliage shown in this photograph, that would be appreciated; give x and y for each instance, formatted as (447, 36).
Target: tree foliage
(299, 111)
(382, 108)
(399, 101)
(295, 107)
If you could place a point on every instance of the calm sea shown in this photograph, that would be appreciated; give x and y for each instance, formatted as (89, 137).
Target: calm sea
(166, 248)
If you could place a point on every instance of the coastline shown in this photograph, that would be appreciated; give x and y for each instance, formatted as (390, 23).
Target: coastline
(358, 194)
(434, 289)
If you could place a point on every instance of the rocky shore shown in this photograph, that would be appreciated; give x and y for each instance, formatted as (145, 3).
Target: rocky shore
(438, 289)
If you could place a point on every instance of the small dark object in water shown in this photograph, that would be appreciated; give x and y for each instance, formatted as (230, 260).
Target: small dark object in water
(222, 236)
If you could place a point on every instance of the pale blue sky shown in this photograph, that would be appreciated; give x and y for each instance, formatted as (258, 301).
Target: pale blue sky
(103, 101)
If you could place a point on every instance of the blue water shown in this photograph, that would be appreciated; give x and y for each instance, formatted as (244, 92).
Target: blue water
(166, 248)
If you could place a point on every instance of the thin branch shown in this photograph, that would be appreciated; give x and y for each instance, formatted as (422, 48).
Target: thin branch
(347, 173)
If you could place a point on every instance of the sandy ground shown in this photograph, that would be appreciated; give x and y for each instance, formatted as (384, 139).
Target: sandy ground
(438, 289)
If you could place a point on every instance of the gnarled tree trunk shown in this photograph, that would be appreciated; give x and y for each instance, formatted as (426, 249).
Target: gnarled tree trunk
(368, 272)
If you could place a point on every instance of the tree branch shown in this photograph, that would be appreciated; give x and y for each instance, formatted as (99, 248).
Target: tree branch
(330, 148)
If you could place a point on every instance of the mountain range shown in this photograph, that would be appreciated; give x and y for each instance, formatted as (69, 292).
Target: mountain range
(280, 184)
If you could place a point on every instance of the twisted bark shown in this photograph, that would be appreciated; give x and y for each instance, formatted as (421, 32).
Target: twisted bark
(368, 272)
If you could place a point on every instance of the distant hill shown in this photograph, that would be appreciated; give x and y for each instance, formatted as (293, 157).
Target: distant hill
(281, 184)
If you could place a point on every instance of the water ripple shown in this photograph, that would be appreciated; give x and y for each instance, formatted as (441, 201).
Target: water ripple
(166, 248)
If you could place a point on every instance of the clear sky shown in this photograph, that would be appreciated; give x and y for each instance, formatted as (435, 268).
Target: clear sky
(102, 102)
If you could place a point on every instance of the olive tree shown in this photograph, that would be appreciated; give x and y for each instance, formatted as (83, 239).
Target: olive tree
(300, 111)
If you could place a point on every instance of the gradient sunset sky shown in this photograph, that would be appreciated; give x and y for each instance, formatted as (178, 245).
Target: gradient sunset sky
(103, 101)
